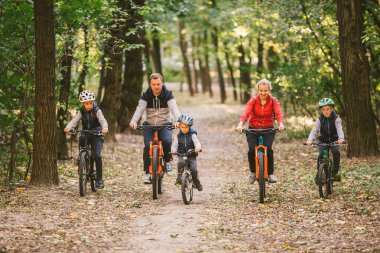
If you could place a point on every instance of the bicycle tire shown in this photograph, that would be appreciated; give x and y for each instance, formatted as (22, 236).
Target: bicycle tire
(154, 172)
(160, 178)
(331, 179)
(82, 172)
(323, 184)
(93, 178)
(261, 176)
(186, 188)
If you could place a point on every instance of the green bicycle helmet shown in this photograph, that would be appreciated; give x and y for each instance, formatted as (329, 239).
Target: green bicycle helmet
(325, 101)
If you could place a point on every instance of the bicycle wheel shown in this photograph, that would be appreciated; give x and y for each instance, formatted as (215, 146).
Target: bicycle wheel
(82, 171)
(154, 172)
(160, 178)
(330, 179)
(323, 182)
(261, 176)
(187, 189)
(93, 177)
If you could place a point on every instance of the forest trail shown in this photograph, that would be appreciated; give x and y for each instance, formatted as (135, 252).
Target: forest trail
(225, 217)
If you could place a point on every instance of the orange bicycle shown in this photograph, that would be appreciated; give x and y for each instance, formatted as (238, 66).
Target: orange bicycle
(157, 167)
(261, 158)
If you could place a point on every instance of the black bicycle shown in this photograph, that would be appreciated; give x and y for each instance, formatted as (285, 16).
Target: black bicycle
(325, 174)
(157, 167)
(86, 169)
(187, 183)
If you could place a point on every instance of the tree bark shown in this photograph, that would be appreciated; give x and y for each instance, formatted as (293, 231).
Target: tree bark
(231, 71)
(201, 66)
(44, 169)
(361, 129)
(223, 95)
(245, 77)
(83, 73)
(133, 67)
(260, 55)
(66, 63)
(183, 46)
(113, 73)
(156, 53)
(194, 72)
(207, 64)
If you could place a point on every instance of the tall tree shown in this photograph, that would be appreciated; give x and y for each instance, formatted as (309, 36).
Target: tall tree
(44, 170)
(133, 66)
(361, 127)
(156, 51)
(183, 46)
(112, 78)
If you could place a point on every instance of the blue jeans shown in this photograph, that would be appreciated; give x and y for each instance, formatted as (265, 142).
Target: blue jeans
(96, 143)
(164, 135)
(253, 141)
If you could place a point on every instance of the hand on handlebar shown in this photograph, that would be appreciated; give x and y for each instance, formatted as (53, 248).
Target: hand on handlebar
(67, 130)
(281, 127)
(133, 125)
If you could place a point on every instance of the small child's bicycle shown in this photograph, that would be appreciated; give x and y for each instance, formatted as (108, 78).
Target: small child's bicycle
(261, 158)
(325, 173)
(86, 170)
(187, 183)
(157, 167)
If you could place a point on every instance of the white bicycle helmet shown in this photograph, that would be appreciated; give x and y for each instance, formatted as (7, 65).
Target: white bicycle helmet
(186, 119)
(86, 96)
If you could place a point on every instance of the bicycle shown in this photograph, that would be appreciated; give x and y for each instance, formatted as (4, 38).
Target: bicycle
(187, 183)
(261, 159)
(86, 170)
(325, 173)
(157, 167)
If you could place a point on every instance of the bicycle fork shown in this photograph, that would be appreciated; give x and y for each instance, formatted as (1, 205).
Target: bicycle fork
(258, 149)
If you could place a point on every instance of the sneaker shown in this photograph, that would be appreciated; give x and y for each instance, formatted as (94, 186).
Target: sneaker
(272, 179)
(169, 168)
(178, 179)
(147, 179)
(99, 184)
(251, 177)
(199, 187)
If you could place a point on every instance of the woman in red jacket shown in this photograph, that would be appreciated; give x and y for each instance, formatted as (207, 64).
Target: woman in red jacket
(260, 112)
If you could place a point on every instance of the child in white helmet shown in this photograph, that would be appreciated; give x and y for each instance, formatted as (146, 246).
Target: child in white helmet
(185, 140)
(92, 119)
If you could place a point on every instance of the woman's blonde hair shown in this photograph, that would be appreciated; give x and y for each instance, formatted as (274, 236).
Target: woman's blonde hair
(264, 82)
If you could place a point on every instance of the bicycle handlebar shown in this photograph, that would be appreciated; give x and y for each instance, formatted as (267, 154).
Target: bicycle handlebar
(318, 144)
(259, 131)
(155, 127)
(93, 132)
(190, 152)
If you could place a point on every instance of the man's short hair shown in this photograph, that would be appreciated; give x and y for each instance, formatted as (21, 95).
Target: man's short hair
(156, 76)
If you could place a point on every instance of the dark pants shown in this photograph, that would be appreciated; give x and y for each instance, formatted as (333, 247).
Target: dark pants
(335, 150)
(165, 135)
(253, 141)
(96, 143)
(192, 161)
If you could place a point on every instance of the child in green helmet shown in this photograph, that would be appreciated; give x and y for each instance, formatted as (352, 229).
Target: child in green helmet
(328, 127)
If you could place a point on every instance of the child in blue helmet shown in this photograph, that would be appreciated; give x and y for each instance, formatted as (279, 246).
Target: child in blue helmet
(328, 127)
(185, 140)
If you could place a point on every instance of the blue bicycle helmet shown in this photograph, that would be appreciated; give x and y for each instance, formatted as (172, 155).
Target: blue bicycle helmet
(186, 119)
(325, 101)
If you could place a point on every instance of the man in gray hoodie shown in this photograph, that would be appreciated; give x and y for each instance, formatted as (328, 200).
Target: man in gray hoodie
(158, 102)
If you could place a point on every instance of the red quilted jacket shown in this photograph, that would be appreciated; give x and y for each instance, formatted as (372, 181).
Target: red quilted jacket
(261, 116)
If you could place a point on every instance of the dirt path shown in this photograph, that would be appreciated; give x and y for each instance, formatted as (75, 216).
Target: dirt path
(225, 217)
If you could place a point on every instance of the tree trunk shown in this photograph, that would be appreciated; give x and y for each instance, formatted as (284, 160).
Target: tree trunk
(112, 78)
(156, 53)
(231, 70)
(223, 95)
(44, 169)
(66, 63)
(207, 65)
(260, 56)
(83, 73)
(361, 129)
(245, 78)
(194, 72)
(147, 63)
(183, 46)
(99, 97)
(201, 66)
(133, 67)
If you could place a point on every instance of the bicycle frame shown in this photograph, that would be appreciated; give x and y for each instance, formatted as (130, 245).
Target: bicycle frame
(156, 143)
